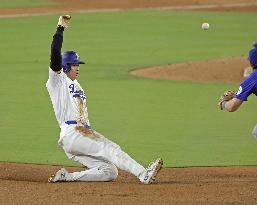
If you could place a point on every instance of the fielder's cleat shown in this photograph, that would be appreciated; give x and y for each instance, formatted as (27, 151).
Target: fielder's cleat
(60, 175)
(151, 172)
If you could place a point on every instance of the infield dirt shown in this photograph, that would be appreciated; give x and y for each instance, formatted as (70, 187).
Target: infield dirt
(27, 183)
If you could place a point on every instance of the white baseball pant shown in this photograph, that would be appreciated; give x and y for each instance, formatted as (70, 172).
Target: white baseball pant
(100, 155)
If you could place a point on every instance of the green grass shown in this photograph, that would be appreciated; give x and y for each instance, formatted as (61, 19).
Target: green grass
(178, 121)
(25, 3)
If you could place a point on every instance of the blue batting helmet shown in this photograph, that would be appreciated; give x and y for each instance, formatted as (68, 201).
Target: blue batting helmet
(70, 57)
(253, 56)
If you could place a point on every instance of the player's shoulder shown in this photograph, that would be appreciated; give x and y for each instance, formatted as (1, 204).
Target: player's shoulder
(254, 72)
(252, 78)
(51, 71)
(56, 78)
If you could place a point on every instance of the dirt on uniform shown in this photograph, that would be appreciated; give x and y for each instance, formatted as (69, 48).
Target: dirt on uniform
(27, 183)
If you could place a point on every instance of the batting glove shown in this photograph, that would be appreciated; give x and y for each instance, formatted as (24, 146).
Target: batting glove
(64, 21)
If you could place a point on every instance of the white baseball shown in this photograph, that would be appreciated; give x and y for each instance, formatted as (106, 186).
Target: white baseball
(205, 26)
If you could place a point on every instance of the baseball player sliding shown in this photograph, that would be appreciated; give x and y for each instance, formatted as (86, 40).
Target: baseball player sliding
(79, 140)
(230, 100)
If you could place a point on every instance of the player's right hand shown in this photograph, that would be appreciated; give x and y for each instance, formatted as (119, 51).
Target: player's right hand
(64, 21)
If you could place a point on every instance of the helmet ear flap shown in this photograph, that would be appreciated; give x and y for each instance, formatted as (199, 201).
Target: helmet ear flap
(67, 68)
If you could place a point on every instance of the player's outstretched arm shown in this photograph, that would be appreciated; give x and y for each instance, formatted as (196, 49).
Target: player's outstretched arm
(232, 105)
(56, 46)
(229, 102)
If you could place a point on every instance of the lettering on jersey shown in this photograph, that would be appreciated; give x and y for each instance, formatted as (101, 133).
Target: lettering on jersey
(239, 90)
(77, 93)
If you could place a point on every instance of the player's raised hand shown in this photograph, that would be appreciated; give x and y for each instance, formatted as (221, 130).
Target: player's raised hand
(64, 21)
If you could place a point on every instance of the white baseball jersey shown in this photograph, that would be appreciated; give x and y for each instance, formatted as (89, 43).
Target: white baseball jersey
(68, 98)
(96, 152)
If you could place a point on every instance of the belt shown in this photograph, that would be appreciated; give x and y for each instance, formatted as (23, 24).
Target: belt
(73, 122)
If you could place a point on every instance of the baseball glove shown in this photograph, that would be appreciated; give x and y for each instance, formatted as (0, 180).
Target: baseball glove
(227, 96)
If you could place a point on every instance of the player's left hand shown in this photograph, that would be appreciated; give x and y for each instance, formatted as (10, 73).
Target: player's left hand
(227, 96)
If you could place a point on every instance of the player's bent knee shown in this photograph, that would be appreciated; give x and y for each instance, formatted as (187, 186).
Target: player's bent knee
(111, 172)
(254, 132)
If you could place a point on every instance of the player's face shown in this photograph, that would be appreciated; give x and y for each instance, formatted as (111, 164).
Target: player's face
(74, 72)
